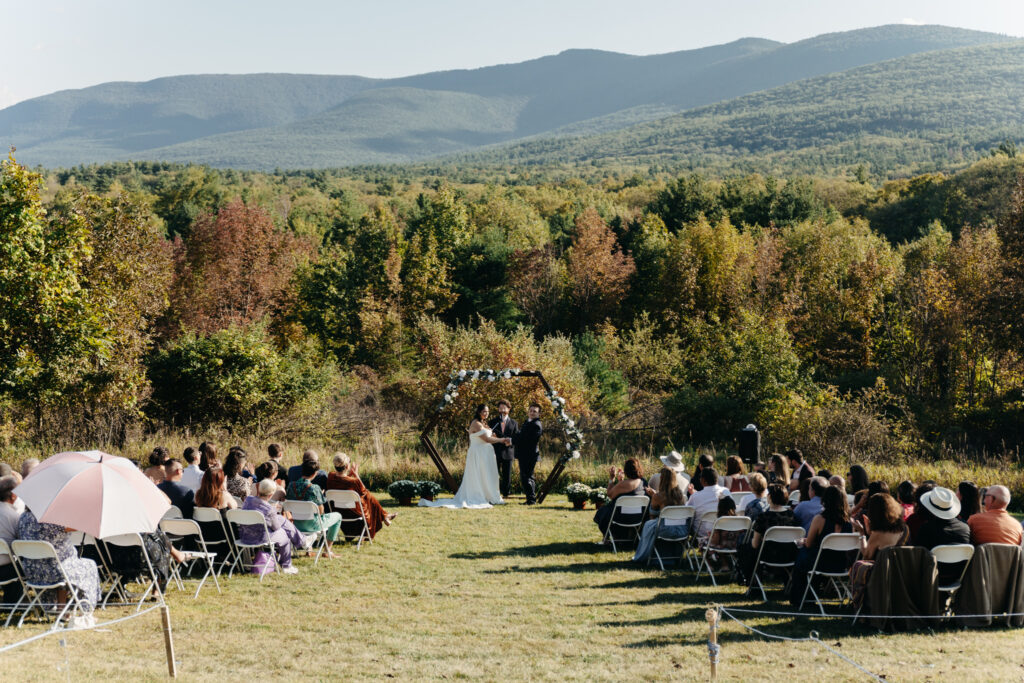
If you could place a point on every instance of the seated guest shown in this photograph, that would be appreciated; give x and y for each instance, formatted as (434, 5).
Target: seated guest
(295, 471)
(129, 563)
(305, 489)
(81, 572)
(778, 514)
(667, 495)
(213, 492)
(208, 456)
(724, 539)
(939, 523)
(857, 479)
(837, 480)
(706, 500)
(805, 512)
(179, 495)
(268, 470)
(703, 462)
(673, 461)
(970, 500)
(238, 484)
(283, 532)
(735, 478)
(28, 465)
(759, 486)
(800, 468)
(905, 496)
(778, 470)
(345, 477)
(8, 532)
(157, 459)
(995, 525)
(192, 476)
(628, 481)
(834, 518)
(859, 511)
(916, 519)
(275, 453)
(883, 527)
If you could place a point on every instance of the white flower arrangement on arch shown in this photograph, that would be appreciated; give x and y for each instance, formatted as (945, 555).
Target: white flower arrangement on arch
(573, 435)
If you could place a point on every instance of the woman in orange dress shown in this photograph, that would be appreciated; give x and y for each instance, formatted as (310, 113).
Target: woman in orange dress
(345, 477)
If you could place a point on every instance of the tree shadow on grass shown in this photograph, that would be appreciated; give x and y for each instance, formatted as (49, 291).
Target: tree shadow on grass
(543, 550)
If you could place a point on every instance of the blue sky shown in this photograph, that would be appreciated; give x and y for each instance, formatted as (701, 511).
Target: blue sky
(57, 45)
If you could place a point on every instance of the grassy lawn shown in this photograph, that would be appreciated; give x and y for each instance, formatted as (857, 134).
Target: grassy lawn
(513, 593)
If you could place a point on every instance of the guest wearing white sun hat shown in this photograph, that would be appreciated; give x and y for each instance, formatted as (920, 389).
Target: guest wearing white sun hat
(940, 506)
(673, 461)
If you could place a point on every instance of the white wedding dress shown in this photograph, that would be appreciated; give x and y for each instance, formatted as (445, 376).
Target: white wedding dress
(479, 488)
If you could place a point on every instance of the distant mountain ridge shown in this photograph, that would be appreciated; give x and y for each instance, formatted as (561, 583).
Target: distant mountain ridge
(266, 121)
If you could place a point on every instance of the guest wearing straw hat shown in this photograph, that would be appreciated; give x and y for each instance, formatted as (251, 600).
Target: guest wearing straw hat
(674, 462)
(939, 508)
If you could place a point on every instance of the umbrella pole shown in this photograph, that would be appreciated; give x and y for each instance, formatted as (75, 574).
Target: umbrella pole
(165, 616)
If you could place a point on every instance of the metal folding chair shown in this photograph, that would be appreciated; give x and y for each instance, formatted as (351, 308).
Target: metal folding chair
(671, 516)
(725, 524)
(741, 500)
(173, 512)
(188, 528)
(349, 505)
(626, 505)
(781, 535)
(94, 550)
(213, 517)
(42, 551)
(794, 497)
(147, 577)
(236, 520)
(952, 554)
(306, 511)
(839, 580)
(5, 551)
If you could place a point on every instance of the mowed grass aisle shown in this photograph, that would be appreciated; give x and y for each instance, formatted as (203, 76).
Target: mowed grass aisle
(513, 593)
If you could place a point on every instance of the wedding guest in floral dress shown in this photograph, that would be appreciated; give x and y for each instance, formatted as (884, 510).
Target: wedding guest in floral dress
(81, 572)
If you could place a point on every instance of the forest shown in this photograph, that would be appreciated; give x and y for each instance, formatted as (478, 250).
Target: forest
(847, 318)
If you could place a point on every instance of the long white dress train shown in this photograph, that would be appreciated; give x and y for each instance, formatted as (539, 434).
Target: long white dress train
(479, 488)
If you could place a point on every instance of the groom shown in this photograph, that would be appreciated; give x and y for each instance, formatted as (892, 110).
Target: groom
(504, 427)
(527, 443)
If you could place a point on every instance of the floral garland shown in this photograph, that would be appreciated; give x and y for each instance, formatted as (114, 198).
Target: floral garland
(573, 436)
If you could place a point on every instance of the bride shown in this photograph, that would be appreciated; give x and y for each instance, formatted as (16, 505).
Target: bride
(479, 487)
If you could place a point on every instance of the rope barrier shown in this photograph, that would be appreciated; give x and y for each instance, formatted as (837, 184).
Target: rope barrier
(812, 637)
(71, 629)
(810, 615)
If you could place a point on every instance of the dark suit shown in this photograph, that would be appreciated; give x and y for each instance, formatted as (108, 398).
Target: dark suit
(527, 443)
(504, 454)
(180, 495)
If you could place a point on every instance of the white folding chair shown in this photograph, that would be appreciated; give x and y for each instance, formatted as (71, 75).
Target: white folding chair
(182, 529)
(952, 554)
(349, 505)
(626, 505)
(725, 524)
(239, 518)
(851, 499)
(671, 516)
(88, 546)
(42, 551)
(147, 577)
(213, 517)
(700, 532)
(5, 551)
(839, 580)
(742, 500)
(794, 497)
(775, 534)
(173, 512)
(306, 511)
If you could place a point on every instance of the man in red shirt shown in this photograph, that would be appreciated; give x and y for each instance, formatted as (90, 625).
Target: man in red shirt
(995, 525)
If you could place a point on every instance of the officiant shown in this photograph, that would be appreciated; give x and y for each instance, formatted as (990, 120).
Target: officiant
(502, 427)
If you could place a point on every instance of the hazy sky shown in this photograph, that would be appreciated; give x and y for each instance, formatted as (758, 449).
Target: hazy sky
(51, 45)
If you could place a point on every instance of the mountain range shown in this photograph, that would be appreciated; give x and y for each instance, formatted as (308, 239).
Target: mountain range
(902, 97)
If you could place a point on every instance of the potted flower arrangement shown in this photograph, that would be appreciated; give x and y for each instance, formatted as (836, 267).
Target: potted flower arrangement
(403, 491)
(428, 489)
(598, 497)
(578, 494)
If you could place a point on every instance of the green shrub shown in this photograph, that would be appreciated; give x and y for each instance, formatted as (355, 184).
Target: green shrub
(428, 489)
(236, 377)
(403, 489)
(599, 496)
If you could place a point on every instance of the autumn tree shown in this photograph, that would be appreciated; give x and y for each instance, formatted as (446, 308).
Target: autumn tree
(598, 270)
(232, 268)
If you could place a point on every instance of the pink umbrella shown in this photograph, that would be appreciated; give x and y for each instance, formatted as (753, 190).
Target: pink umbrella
(100, 494)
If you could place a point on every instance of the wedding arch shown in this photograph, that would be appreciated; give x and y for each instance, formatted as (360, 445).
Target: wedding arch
(573, 436)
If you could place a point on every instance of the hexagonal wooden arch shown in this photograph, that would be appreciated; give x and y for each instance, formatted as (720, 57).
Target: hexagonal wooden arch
(449, 480)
